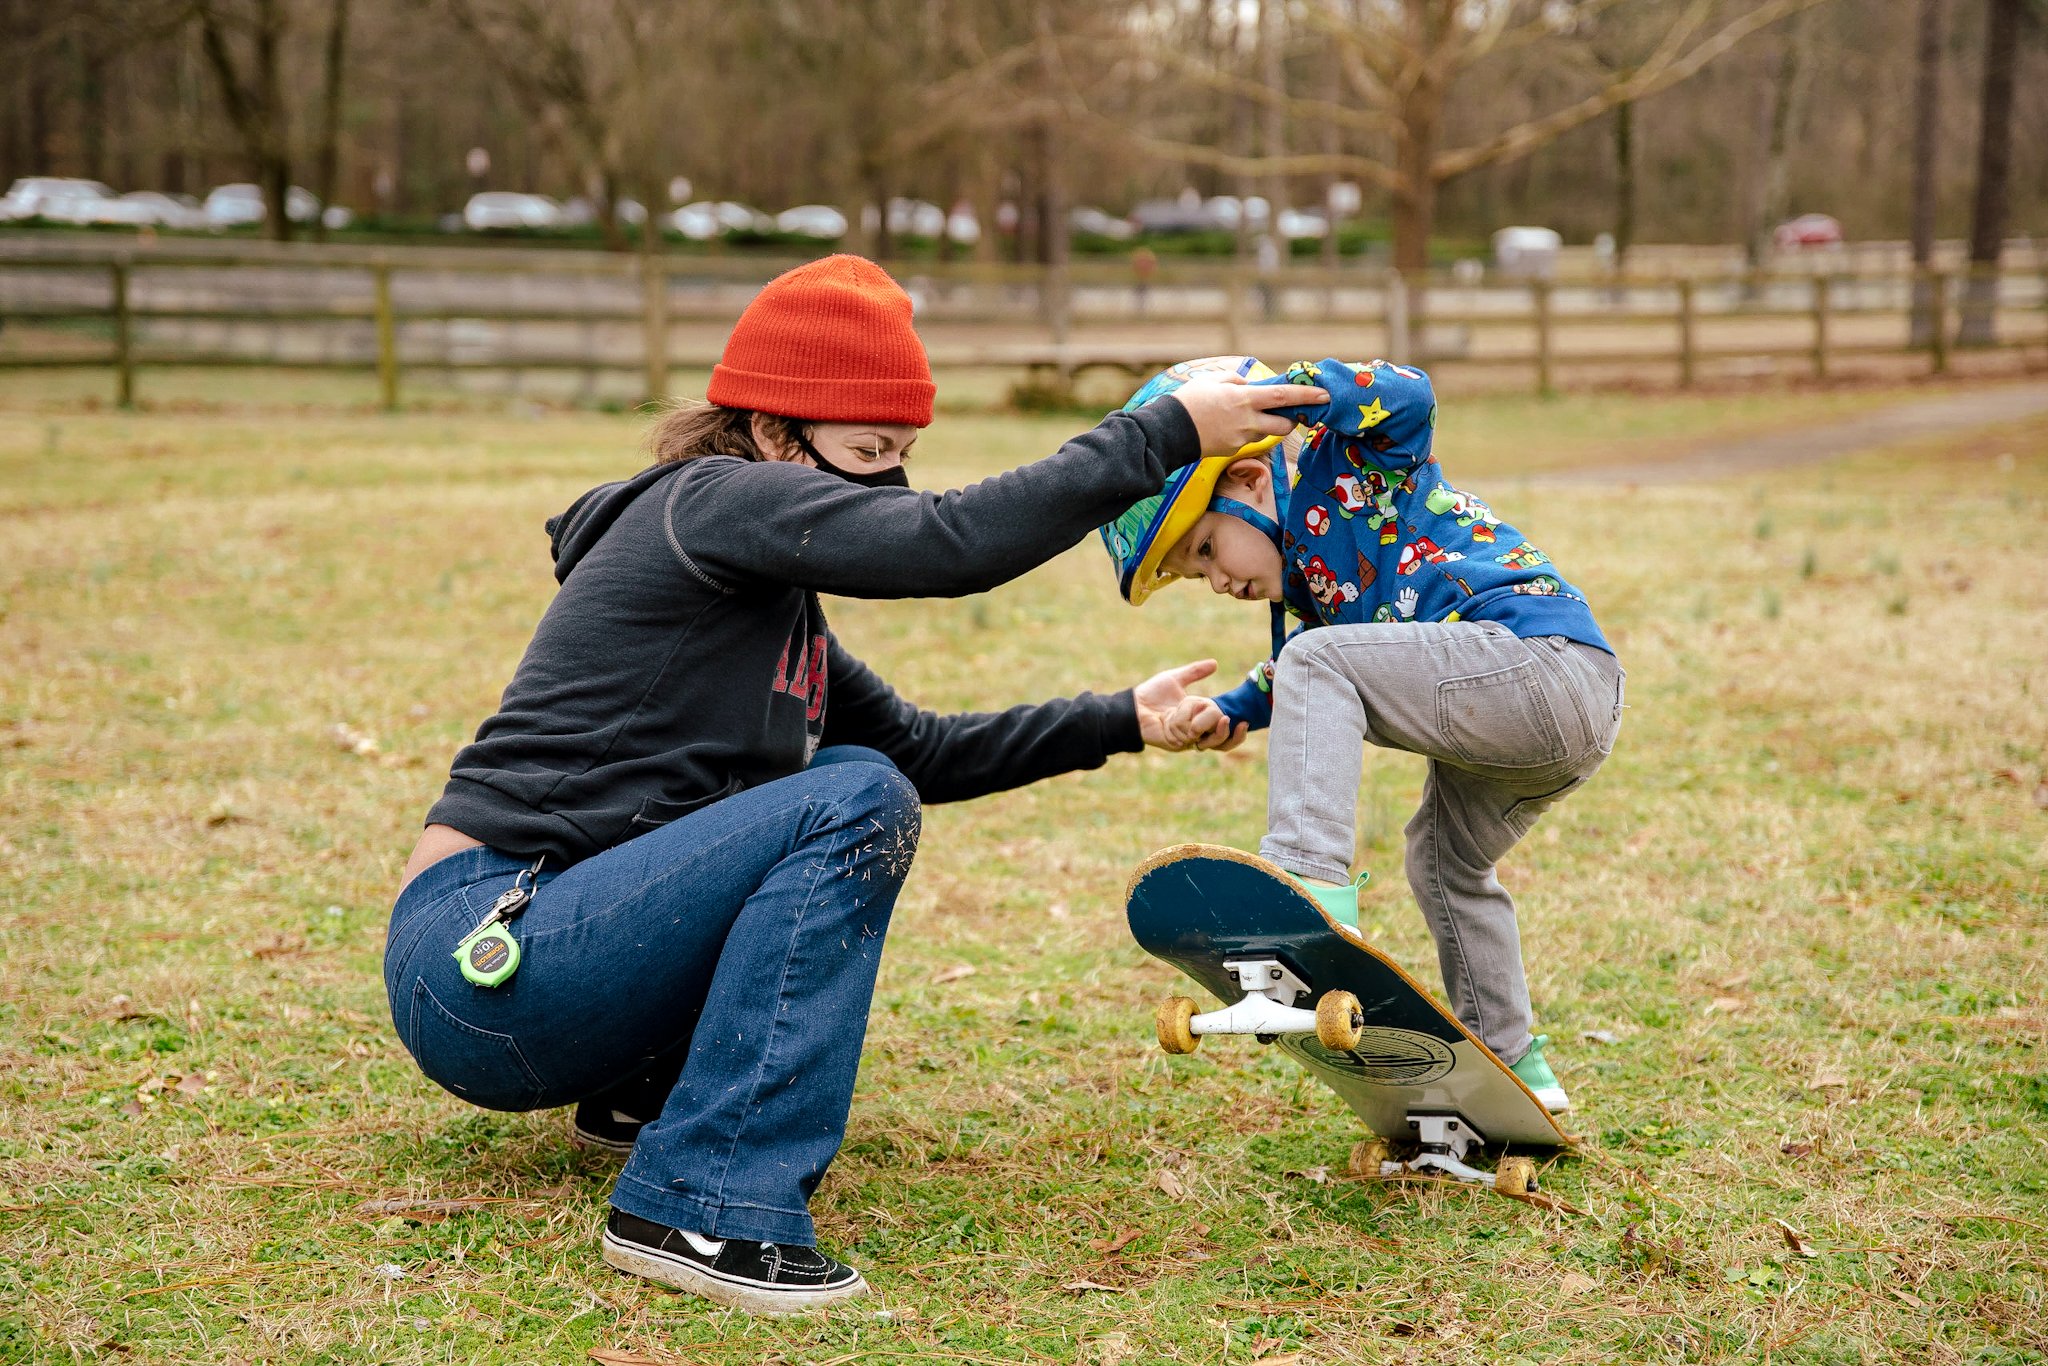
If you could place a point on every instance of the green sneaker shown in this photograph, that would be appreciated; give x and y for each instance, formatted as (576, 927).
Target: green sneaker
(1537, 1076)
(1339, 903)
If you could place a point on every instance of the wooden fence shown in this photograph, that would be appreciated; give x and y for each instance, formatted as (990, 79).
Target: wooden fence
(376, 310)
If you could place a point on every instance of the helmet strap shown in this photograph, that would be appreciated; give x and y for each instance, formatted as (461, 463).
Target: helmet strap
(1251, 516)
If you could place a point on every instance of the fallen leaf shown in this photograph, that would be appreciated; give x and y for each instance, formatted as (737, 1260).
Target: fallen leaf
(1600, 1036)
(2009, 775)
(1794, 1239)
(1797, 1149)
(191, 1086)
(1288, 1359)
(1727, 1005)
(1317, 1175)
(2041, 796)
(1572, 1283)
(1263, 1344)
(1827, 1077)
(1058, 910)
(1170, 1184)
(952, 974)
(1083, 1286)
(618, 1356)
(1118, 1243)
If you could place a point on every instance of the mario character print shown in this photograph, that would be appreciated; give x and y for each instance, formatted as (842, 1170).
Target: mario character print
(1325, 588)
(1522, 556)
(1423, 550)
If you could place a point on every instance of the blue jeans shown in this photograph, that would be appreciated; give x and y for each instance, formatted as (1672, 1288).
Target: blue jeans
(715, 974)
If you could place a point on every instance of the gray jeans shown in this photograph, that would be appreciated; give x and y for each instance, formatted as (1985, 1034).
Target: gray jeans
(1510, 728)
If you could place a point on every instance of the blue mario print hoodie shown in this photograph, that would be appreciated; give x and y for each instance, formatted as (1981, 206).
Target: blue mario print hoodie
(1372, 531)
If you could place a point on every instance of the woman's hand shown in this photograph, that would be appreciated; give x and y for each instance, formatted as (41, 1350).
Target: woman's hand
(1169, 717)
(1230, 414)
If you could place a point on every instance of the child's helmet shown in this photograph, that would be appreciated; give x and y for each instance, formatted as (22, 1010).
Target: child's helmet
(1139, 539)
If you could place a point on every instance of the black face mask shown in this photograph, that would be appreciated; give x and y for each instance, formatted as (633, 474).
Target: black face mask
(892, 478)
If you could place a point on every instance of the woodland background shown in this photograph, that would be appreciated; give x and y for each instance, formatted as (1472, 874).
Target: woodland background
(1454, 116)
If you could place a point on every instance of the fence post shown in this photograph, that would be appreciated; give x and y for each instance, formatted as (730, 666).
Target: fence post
(387, 334)
(654, 324)
(1937, 309)
(124, 354)
(1821, 285)
(1541, 291)
(1686, 353)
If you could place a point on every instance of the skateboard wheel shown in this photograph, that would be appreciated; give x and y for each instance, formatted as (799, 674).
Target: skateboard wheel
(1367, 1154)
(1172, 1019)
(1339, 1021)
(1515, 1176)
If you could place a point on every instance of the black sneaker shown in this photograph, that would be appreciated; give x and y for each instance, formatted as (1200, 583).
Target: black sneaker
(597, 1125)
(767, 1278)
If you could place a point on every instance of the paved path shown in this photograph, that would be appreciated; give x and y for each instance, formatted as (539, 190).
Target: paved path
(1806, 446)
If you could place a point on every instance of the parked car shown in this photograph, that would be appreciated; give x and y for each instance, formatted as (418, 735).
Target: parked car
(820, 221)
(1226, 209)
(1186, 214)
(59, 199)
(962, 226)
(1807, 230)
(154, 209)
(241, 204)
(578, 212)
(1298, 224)
(704, 220)
(510, 211)
(1100, 223)
(1527, 253)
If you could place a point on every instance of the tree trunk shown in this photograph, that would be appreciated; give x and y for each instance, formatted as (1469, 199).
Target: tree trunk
(602, 185)
(1414, 207)
(1926, 131)
(1624, 185)
(1994, 162)
(256, 108)
(328, 165)
(1772, 203)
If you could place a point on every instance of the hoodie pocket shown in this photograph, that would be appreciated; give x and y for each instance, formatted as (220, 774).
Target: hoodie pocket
(656, 812)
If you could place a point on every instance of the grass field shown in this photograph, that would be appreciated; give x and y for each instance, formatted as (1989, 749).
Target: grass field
(1790, 944)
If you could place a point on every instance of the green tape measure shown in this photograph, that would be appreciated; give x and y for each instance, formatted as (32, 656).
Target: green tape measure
(489, 954)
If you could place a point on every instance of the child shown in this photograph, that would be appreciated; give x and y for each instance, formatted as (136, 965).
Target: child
(1428, 625)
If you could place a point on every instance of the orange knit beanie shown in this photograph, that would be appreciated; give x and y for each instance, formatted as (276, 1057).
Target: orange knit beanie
(829, 342)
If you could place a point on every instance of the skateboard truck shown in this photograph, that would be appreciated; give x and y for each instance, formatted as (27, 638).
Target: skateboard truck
(1447, 1139)
(1266, 1010)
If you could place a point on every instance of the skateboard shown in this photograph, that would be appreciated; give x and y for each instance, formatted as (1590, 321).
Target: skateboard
(1291, 976)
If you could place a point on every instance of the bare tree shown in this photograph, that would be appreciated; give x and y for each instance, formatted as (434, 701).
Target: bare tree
(1994, 166)
(252, 91)
(1769, 201)
(1926, 185)
(327, 159)
(593, 65)
(1400, 59)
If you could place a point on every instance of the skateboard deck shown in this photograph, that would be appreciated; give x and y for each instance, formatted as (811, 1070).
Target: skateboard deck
(1200, 907)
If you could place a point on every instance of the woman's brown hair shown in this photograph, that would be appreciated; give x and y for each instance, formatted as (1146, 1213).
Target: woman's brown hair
(692, 428)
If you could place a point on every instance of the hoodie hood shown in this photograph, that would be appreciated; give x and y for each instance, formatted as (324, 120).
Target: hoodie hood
(584, 523)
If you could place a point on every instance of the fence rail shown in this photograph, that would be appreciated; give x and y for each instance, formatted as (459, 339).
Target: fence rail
(429, 309)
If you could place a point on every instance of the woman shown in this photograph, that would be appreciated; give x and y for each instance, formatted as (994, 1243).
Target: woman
(657, 882)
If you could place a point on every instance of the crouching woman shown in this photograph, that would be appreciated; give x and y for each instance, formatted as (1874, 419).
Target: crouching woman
(657, 882)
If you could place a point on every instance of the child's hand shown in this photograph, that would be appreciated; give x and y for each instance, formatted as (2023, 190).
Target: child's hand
(1198, 723)
(1230, 414)
(1167, 711)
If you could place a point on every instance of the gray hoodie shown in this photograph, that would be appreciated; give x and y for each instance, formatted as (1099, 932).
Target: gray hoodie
(687, 656)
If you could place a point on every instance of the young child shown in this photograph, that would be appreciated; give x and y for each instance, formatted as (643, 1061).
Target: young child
(1427, 624)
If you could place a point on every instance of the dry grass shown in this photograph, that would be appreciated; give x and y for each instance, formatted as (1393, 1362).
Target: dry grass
(1803, 906)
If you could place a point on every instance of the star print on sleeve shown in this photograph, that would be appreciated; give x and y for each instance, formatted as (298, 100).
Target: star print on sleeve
(1371, 415)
